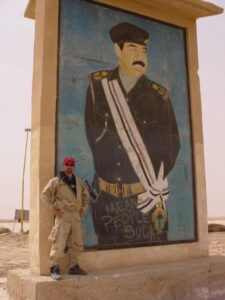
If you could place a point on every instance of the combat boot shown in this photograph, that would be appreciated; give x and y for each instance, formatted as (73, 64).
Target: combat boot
(55, 272)
(76, 270)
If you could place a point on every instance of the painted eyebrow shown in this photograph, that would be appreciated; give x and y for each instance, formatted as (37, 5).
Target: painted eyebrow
(134, 46)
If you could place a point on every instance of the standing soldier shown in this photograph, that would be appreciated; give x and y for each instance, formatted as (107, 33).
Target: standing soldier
(68, 197)
(132, 132)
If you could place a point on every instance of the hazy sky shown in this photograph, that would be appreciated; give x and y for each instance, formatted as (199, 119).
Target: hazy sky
(16, 58)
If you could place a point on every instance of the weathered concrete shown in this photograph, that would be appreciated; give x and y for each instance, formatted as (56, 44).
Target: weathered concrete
(188, 280)
(3, 291)
(45, 12)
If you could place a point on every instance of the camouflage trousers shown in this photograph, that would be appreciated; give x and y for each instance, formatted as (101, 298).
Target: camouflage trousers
(66, 236)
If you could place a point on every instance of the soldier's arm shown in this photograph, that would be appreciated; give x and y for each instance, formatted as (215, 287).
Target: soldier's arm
(90, 121)
(166, 133)
(172, 135)
(48, 194)
(95, 123)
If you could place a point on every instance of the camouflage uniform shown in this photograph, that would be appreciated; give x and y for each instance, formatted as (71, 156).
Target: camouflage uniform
(67, 231)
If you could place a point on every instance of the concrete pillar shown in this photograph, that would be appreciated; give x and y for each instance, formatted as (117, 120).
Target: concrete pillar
(43, 128)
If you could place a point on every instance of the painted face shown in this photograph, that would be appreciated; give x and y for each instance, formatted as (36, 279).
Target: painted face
(68, 169)
(133, 58)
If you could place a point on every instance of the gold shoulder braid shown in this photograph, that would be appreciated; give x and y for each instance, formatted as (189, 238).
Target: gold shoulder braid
(95, 76)
(159, 88)
(99, 75)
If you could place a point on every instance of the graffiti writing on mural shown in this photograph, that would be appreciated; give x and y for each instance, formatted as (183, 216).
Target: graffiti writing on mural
(124, 218)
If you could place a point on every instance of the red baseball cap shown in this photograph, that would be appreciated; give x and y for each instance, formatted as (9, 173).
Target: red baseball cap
(69, 160)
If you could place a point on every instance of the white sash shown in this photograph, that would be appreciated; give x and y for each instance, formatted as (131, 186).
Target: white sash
(156, 187)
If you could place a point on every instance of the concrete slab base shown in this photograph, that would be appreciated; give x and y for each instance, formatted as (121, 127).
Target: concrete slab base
(3, 292)
(194, 279)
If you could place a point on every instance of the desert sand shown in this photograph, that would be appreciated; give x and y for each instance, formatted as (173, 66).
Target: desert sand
(14, 251)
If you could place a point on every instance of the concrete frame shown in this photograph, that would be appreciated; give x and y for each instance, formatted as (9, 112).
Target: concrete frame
(182, 13)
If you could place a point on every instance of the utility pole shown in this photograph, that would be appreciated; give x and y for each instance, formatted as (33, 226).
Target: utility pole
(27, 130)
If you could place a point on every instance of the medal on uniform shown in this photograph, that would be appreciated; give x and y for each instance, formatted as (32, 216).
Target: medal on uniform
(159, 218)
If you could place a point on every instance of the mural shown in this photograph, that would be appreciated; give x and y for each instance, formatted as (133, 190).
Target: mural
(123, 112)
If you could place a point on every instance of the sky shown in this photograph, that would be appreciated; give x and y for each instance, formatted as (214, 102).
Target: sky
(16, 67)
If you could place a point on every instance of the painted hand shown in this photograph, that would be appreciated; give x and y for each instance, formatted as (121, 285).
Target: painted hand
(85, 194)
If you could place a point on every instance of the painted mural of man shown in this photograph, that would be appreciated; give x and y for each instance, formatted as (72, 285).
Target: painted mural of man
(133, 135)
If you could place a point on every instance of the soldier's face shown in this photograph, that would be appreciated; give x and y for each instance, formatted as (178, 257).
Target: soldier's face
(132, 58)
(68, 169)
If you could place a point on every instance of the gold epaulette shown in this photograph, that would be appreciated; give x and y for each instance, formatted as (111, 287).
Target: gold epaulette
(100, 75)
(159, 88)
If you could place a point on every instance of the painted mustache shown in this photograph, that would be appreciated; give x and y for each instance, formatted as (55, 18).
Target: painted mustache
(139, 62)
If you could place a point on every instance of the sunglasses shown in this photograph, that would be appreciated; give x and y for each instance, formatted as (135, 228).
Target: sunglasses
(69, 165)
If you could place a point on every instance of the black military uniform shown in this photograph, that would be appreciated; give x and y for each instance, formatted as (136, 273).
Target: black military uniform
(116, 219)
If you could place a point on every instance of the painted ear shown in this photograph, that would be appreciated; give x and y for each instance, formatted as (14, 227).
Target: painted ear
(117, 50)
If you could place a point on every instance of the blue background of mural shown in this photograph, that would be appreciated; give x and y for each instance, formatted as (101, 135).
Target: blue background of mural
(85, 46)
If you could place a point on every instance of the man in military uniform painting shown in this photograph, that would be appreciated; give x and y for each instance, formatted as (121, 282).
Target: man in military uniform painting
(133, 135)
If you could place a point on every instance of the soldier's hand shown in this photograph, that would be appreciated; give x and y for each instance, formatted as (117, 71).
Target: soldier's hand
(57, 213)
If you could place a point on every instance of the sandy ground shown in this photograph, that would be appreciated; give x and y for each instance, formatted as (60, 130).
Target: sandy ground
(13, 254)
(14, 227)
(14, 250)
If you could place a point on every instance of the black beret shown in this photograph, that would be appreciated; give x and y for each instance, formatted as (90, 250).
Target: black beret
(127, 32)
